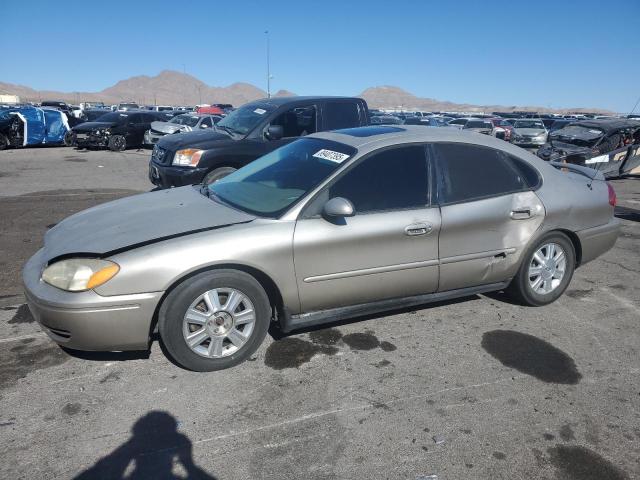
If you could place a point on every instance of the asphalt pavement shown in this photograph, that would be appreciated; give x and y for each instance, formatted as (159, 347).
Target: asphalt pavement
(477, 388)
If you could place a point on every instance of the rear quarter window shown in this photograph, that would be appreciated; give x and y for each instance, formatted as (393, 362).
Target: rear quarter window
(341, 115)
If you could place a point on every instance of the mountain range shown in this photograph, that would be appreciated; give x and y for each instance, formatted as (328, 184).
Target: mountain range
(176, 88)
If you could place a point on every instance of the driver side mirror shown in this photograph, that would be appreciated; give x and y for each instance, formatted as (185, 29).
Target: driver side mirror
(338, 207)
(204, 126)
(274, 132)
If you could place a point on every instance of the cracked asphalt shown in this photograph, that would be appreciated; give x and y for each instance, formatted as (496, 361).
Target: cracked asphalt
(476, 388)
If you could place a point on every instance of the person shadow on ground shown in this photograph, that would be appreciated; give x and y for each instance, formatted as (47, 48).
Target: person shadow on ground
(152, 452)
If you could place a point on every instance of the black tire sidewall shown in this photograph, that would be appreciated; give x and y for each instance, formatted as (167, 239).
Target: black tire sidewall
(217, 174)
(175, 305)
(523, 288)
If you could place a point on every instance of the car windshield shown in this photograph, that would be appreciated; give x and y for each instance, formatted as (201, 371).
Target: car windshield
(529, 124)
(113, 117)
(245, 118)
(273, 183)
(188, 120)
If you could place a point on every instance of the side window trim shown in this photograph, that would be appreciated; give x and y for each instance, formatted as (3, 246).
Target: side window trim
(430, 200)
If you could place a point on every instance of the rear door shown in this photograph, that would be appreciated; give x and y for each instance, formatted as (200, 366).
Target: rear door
(389, 249)
(489, 213)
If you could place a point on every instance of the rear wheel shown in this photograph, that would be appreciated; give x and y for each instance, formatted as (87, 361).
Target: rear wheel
(117, 143)
(215, 175)
(214, 320)
(546, 270)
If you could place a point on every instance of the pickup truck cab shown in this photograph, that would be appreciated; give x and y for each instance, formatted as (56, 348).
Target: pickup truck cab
(248, 133)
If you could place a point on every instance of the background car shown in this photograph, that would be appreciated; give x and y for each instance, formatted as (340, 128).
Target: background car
(386, 120)
(479, 126)
(179, 123)
(528, 132)
(116, 130)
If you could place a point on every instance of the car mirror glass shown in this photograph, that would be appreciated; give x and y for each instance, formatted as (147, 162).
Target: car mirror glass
(274, 132)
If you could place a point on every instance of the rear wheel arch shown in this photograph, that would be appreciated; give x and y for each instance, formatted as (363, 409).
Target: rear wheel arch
(267, 283)
(575, 240)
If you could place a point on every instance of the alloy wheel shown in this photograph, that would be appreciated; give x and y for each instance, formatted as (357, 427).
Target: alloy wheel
(547, 268)
(218, 323)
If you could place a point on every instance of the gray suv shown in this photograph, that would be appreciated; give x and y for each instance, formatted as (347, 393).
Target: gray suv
(330, 226)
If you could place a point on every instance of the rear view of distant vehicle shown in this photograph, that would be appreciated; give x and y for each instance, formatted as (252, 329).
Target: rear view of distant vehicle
(126, 106)
(26, 126)
(116, 130)
(180, 123)
(424, 121)
(386, 120)
(529, 133)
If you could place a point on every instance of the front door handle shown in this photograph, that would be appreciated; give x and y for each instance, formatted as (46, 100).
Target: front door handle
(418, 229)
(521, 213)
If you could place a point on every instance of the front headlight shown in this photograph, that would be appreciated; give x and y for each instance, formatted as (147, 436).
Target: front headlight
(189, 157)
(79, 274)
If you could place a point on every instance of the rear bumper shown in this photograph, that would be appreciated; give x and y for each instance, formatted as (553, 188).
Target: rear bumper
(86, 320)
(165, 176)
(598, 240)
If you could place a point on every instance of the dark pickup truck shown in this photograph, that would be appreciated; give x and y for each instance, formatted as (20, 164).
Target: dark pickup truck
(246, 134)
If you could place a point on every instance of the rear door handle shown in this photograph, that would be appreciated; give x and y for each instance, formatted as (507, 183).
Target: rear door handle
(418, 229)
(521, 214)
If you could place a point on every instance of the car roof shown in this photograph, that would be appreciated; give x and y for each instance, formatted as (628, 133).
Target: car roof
(277, 101)
(372, 137)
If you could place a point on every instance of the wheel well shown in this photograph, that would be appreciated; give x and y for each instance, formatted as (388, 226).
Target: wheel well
(270, 287)
(577, 246)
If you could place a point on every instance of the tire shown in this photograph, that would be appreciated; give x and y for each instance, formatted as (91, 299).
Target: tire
(216, 334)
(523, 286)
(214, 175)
(69, 139)
(117, 143)
(4, 141)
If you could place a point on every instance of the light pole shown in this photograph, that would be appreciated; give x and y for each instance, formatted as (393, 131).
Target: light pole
(268, 67)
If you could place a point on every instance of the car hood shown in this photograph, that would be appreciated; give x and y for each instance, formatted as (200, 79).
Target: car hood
(528, 131)
(166, 127)
(203, 139)
(89, 126)
(138, 220)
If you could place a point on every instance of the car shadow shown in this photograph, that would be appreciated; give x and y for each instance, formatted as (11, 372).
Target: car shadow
(626, 213)
(277, 334)
(153, 450)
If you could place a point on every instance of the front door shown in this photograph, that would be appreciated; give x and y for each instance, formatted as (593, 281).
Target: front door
(489, 213)
(389, 249)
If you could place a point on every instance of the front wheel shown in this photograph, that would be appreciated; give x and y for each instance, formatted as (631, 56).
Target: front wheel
(545, 272)
(215, 175)
(69, 139)
(117, 143)
(214, 320)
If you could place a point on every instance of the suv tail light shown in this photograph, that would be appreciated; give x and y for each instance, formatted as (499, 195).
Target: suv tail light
(612, 195)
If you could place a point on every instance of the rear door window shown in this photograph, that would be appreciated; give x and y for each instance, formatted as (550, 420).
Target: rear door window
(394, 179)
(469, 172)
(298, 121)
(341, 115)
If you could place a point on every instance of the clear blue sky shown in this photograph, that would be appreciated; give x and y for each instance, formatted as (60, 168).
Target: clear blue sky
(548, 53)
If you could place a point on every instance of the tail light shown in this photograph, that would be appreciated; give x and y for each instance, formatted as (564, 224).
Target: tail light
(612, 195)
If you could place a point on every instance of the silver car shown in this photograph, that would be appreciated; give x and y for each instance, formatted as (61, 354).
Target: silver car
(333, 225)
(186, 122)
(529, 132)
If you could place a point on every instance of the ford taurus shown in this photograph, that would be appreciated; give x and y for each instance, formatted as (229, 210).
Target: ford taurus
(331, 226)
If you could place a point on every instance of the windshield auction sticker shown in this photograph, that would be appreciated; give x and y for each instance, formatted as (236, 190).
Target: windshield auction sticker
(260, 111)
(331, 155)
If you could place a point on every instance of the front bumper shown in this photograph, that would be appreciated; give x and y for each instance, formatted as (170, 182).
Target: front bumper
(151, 138)
(598, 240)
(166, 176)
(86, 320)
(91, 140)
(528, 142)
